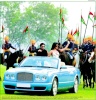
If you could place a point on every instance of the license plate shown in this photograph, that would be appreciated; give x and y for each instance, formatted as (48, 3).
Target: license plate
(26, 85)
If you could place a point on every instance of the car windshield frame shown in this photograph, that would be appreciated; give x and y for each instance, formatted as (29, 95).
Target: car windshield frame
(42, 62)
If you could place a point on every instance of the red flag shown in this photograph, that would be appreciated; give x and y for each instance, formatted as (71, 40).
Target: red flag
(62, 20)
(75, 32)
(25, 30)
(90, 13)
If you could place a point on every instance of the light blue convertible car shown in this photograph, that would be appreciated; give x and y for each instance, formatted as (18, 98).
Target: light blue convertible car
(41, 74)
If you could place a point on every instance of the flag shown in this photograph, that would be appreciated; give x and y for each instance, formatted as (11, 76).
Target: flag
(82, 20)
(2, 28)
(61, 14)
(89, 16)
(25, 30)
(94, 17)
(76, 33)
(63, 21)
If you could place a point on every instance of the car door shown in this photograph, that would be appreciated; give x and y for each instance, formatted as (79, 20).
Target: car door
(63, 77)
(71, 75)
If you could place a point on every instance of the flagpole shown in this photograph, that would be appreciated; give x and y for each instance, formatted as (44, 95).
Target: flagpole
(60, 26)
(93, 31)
(95, 44)
(80, 31)
(86, 25)
(59, 32)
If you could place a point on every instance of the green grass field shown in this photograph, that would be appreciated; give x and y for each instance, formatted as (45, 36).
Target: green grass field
(83, 94)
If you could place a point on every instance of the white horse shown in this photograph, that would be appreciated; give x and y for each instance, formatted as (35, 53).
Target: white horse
(77, 58)
(91, 61)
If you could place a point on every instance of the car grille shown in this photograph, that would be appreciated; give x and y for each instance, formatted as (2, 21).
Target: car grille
(23, 76)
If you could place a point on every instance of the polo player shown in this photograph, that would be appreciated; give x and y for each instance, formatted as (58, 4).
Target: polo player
(71, 45)
(32, 48)
(6, 47)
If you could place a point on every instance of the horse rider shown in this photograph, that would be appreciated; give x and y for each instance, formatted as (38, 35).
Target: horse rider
(87, 46)
(6, 47)
(71, 45)
(84, 44)
(32, 48)
(90, 45)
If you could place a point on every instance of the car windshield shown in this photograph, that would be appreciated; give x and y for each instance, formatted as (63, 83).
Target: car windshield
(40, 62)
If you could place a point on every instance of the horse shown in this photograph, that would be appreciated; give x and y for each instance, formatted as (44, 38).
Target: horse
(85, 69)
(91, 61)
(1, 58)
(64, 56)
(21, 58)
(77, 59)
(11, 59)
(1, 61)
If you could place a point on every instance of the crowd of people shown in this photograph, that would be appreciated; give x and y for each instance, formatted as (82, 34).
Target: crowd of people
(70, 46)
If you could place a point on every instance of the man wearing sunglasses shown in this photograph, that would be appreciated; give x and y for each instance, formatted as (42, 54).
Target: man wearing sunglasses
(42, 51)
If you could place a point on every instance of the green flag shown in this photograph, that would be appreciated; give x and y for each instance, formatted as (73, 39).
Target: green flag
(94, 17)
(61, 14)
(82, 20)
(89, 16)
(76, 33)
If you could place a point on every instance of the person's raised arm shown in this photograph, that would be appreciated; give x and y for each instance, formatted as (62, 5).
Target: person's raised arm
(66, 47)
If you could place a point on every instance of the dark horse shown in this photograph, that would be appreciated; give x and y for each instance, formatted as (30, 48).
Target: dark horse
(12, 58)
(86, 70)
(1, 60)
(65, 58)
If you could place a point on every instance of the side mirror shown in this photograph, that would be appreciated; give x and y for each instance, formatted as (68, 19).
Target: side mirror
(16, 65)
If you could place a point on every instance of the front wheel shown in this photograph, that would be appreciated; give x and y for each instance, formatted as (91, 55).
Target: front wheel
(74, 89)
(54, 87)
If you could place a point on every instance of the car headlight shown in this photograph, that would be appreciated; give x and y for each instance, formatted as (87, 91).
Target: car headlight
(37, 77)
(44, 78)
(7, 76)
(12, 76)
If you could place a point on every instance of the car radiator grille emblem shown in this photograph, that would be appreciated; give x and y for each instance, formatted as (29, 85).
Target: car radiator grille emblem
(23, 76)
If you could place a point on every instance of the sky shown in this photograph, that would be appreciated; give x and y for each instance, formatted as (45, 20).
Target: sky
(74, 14)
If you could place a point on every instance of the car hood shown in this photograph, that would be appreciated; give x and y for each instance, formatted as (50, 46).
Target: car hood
(32, 70)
